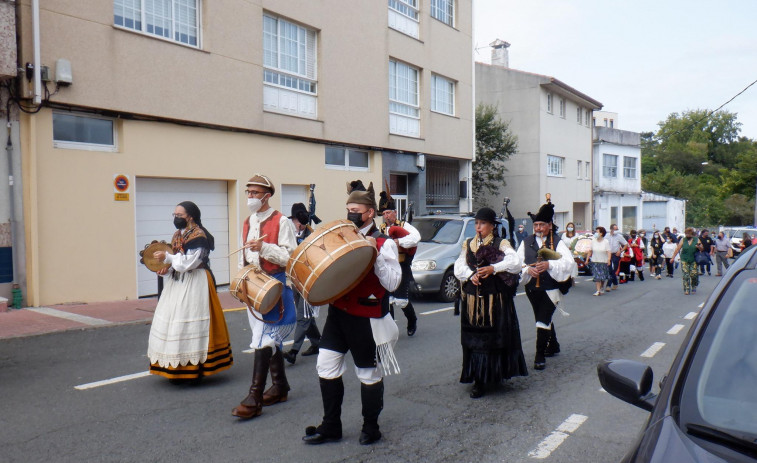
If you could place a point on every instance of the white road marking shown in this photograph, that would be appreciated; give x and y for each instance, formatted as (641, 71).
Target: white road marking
(589, 279)
(676, 329)
(70, 316)
(690, 316)
(557, 437)
(521, 294)
(701, 305)
(446, 309)
(653, 349)
(105, 382)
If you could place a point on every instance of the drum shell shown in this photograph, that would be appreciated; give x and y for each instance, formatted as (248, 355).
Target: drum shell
(254, 288)
(330, 262)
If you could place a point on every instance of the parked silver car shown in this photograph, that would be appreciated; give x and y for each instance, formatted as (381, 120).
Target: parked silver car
(442, 238)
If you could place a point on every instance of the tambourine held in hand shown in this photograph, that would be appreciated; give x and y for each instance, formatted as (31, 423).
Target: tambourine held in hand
(147, 255)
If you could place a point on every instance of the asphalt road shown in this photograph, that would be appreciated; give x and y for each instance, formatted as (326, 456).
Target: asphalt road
(427, 416)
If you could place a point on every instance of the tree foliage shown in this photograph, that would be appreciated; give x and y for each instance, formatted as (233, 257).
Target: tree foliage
(700, 157)
(495, 143)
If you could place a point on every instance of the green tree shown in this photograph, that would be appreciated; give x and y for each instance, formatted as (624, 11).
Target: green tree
(495, 143)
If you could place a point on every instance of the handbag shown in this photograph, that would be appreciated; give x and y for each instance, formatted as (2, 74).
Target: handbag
(729, 253)
(701, 258)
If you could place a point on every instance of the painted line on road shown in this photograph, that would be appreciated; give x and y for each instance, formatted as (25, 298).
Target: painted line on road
(557, 437)
(589, 279)
(653, 349)
(690, 315)
(105, 382)
(446, 309)
(521, 294)
(676, 329)
(70, 316)
(237, 309)
(701, 305)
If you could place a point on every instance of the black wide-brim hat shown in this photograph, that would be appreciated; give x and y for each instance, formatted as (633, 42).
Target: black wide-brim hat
(487, 214)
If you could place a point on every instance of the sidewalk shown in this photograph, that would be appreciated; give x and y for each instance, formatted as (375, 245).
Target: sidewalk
(42, 320)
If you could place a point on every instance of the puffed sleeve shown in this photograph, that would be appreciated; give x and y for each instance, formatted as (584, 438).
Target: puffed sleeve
(412, 239)
(512, 263)
(564, 267)
(525, 277)
(387, 266)
(462, 271)
(185, 262)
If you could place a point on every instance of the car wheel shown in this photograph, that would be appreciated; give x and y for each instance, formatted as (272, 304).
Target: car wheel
(450, 287)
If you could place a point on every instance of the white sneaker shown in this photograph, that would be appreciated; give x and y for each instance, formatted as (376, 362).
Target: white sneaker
(596, 293)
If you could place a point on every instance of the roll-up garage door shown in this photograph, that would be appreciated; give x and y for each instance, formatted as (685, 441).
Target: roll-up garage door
(156, 199)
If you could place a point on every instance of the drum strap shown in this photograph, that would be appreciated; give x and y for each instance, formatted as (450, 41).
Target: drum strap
(252, 311)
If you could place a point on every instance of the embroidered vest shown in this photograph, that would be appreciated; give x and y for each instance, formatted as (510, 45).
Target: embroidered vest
(270, 229)
(530, 248)
(358, 301)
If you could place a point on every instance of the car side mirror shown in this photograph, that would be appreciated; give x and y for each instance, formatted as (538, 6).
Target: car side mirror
(629, 381)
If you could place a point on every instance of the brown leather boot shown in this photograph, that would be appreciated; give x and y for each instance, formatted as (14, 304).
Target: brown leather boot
(279, 390)
(252, 405)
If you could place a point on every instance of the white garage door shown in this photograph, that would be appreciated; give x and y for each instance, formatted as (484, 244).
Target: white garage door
(291, 194)
(156, 199)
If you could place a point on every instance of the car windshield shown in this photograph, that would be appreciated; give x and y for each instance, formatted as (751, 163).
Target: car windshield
(433, 230)
(720, 387)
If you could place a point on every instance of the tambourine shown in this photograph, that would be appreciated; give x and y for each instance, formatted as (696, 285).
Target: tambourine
(149, 260)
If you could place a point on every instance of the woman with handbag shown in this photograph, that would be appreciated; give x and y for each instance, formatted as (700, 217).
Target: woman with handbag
(656, 255)
(687, 248)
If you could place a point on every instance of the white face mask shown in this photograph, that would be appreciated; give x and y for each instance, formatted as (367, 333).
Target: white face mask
(570, 228)
(597, 235)
(254, 204)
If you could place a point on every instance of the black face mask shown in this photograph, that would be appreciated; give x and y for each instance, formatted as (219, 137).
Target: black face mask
(356, 218)
(179, 222)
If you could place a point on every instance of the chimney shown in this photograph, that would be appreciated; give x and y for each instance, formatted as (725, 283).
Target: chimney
(500, 55)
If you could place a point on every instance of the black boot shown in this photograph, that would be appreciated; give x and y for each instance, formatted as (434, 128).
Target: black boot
(641, 275)
(330, 429)
(372, 396)
(412, 319)
(291, 356)
(542, 338)
(553, 347)
(252, 405)
(456, 312)
(279, 390)
(478, 390)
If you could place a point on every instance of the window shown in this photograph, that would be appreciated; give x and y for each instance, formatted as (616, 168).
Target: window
(562, 107)
(176, 20)
(629, 167)
(403, 16)
(613, 215)
(83, 132)
(629, 218)
(555, 166)
(289, 67)
(579, 115)
(609, 165)
(404, 111)
(442, 95)
(588, 171)
(444, 11)
(612, 123)
(347, 159)
(549, 103)
(593, 121)
(579, 170)
(588, 117)
(605, 122)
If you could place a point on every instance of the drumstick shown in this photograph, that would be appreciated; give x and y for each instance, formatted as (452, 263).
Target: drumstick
(245, 246)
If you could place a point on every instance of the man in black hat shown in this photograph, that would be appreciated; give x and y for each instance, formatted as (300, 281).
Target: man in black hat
(406, 237)
(546, 277)
(306, 313)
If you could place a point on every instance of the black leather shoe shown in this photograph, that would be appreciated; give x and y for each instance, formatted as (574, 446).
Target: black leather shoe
(477, 391)
(318, 438)
(291, 356)
(540, 365)
(369, 438)
(412, 329)
(312, 350)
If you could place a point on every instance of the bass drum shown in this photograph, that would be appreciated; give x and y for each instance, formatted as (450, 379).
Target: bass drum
(330, 262)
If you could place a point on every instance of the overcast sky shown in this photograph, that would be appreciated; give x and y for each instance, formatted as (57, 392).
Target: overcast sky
(642, 59)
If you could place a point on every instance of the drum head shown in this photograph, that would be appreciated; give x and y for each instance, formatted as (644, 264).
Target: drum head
(337, 280)
(270, 298)
(151, 262)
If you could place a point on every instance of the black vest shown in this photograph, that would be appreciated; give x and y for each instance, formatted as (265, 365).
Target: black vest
(530, 248)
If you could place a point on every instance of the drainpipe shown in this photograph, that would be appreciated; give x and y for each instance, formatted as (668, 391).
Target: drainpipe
(35, 38)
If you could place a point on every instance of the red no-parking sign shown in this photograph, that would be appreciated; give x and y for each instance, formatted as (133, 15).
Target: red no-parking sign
(121, 186)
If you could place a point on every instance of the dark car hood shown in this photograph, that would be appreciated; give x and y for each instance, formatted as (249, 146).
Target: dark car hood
(672, 445)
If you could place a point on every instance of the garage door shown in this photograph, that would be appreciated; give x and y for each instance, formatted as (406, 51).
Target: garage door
(156, 199)
(291, 194)
(654, 215)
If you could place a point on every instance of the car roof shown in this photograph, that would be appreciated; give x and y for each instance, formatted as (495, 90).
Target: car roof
(444, 216)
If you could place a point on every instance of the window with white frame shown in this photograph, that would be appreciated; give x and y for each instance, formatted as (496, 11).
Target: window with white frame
(346, 158)
(442, 95)
(403, 16)
(629, 167)
(444, 11)
(562, 107)
(588, 170)
(555, 165)
(404, 110)
(588, 117)
(609, 165)
(579, 115)
(289, 67)
(549, 103)
(86, 132)
(176, 20)
(579, 170)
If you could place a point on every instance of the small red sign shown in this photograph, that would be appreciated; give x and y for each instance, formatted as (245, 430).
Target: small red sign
(121, 182)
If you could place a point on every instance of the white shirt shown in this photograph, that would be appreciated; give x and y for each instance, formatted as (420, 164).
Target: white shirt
(560, 270)
(387, 266)
(511, 263)
(275, 253)
(600, 251)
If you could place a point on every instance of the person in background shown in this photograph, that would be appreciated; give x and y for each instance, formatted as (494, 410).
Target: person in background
(707, 248)
(746, 241)
(569, 234)
(722, 248)
(688, 247)
(600, 259)
(668, 249)
(637, 255)
(618, 244)
(656, 255)
(667, 233)
(520, 235)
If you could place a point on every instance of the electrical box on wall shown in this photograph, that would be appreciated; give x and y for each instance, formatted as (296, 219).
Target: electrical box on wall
(63, 75)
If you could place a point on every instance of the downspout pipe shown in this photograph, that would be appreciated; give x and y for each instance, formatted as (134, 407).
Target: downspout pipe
(35, 39)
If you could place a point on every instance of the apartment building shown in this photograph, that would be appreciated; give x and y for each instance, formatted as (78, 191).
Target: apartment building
(141, 104)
